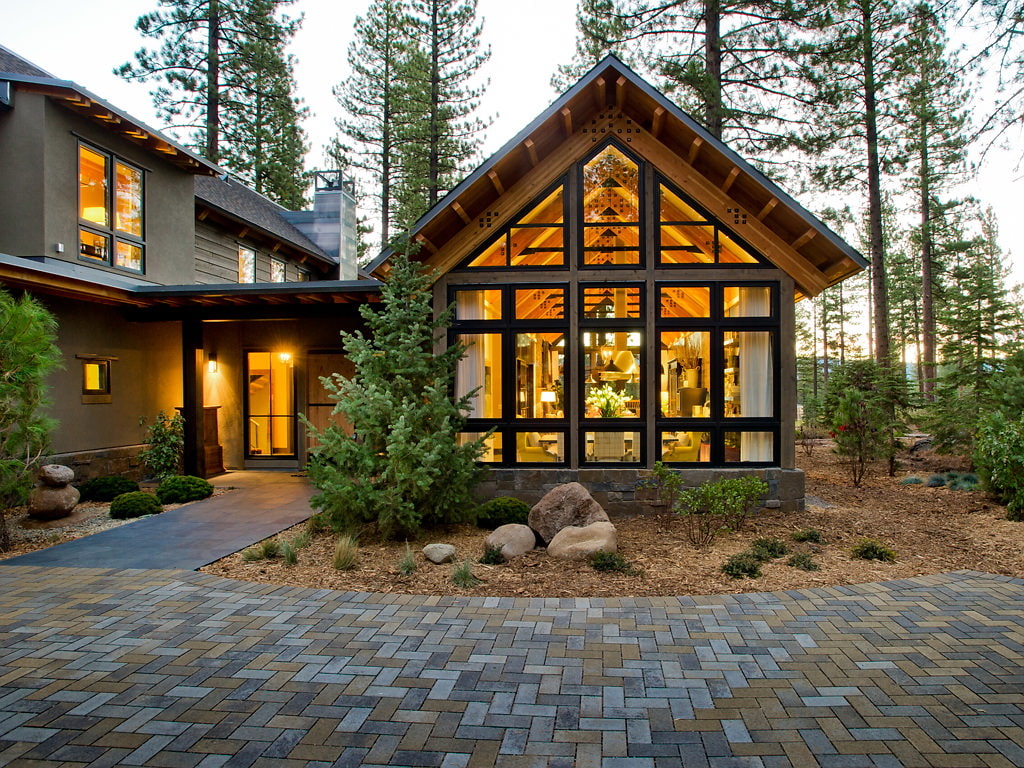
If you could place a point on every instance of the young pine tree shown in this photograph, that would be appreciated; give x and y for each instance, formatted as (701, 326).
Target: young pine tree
(27, 354)
(402, 466)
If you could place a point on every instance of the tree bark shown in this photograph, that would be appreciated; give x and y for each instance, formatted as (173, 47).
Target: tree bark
(876, 243)
(433, 158)
(713, 119)
(213, 82)
(927, 306)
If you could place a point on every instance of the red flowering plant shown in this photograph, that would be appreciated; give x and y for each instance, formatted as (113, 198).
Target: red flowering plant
(859, 432)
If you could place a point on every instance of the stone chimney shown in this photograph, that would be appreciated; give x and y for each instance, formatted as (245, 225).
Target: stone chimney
(332, 222)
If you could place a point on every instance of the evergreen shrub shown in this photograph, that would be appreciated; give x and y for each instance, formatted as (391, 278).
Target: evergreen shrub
(612, 562)
(165, 445)
(803, 561)
(869, 549)
(936, 481)
(503, 510)
(765, 549)
(743, 565)
(492, 556)
(912, 480)
(107, 488)
(402, 466)
(134, 504)
(181, 489)
(812, 535)
(999, 457)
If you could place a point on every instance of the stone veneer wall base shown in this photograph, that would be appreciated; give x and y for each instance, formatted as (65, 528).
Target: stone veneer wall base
(615, 489)
(123, 460)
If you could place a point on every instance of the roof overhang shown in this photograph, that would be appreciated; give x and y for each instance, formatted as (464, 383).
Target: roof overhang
(57, 278)
(92, 107)
(613, 101)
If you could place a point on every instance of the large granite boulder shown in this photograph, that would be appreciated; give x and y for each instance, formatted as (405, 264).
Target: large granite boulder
(49, 503)
(513, 539)
(56, 475)
(439, 553)
(565, 505)
(578, 543)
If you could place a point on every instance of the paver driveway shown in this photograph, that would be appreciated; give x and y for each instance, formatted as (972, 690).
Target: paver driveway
(174, 668)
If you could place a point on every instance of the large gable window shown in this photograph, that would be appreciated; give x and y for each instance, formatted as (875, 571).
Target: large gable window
(657, 343)
(110, 210)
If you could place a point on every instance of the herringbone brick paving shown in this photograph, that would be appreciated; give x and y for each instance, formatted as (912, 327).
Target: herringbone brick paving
(175, 668)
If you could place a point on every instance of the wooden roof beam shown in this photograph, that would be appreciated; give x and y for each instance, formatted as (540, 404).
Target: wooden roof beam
(531, 151)
(730, 179)
(620, 92)
(768, 208)
(566, 114)
(804, 239)
(695, 146)
(658, 121)
(602, 91)
(422, 240)
(460, 212)
(496, 181)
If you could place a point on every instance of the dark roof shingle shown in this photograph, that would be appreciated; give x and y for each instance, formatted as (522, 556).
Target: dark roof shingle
(237, 200)
(13, 63)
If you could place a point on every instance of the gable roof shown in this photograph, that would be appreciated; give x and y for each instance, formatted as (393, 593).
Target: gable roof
(612, 100)
(26, 76)
(237, 201)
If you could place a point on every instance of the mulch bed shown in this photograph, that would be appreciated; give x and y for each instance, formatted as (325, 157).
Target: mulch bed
(931, 529)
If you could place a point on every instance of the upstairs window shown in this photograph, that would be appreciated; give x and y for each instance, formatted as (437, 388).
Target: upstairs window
(110, 210)
(246, 264)
(611, 209)
(277, 271)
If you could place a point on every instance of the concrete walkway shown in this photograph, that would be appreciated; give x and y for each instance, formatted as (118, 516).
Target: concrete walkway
(194, 535)
(175, 668)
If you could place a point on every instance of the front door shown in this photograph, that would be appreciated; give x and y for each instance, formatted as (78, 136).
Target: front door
(270, 406)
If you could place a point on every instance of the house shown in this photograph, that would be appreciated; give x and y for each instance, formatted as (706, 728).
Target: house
(627, 285)
(174, 285)
(625, 281)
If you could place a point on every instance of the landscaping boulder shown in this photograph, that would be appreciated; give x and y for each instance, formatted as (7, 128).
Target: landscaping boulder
(565, 505)
(49, 503)
(439, 553)
(580, 542)
(56, 475)
(512, 539)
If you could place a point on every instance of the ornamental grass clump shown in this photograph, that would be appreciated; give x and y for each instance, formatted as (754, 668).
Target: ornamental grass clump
(407, 565)
(291, 557)
(463, 576)
(912, 480)
(346, 553)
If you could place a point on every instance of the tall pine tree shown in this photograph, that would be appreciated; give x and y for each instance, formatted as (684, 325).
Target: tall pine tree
(223, 78)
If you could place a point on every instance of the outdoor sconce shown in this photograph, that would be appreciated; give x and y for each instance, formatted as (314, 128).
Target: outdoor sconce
(211, 362)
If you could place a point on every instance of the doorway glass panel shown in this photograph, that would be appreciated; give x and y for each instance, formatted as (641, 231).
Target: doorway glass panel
(271, 404)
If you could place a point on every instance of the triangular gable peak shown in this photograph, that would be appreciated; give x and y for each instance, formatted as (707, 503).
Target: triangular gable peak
(612, 105)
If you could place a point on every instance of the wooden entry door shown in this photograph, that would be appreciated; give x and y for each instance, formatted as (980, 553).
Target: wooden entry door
(319, 404)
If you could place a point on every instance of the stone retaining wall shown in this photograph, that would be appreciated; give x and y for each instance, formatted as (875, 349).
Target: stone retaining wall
(123, 460)
(615, 489)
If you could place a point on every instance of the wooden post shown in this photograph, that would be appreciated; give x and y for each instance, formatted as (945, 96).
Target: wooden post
(192, 395)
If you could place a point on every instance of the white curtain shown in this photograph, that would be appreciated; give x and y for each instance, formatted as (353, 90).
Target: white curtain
(757, 376)
(470, 373)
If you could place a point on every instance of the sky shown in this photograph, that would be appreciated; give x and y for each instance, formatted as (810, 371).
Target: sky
(84, 41)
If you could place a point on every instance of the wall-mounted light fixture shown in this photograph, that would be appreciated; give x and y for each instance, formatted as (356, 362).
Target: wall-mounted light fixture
(211, 362)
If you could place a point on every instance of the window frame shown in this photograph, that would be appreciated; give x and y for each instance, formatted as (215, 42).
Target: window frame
(255, 257)
(110, 232)
(104, 394)
(581, 225)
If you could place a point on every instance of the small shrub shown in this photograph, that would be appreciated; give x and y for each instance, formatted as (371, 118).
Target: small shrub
(999, 457)
(936, 481)
(912, 480)
(165, 441)
(346, 553)
(803, 561)
(768, 549)
(269, 548)
(1015, 514)
(134, 504)
(492, 555)
(869, 549)
(710, 507)
(812, 535)
(181, 489)
(611, 562)
(291, 557)
(462, 575)
(502, 511)
(407, 565)
(107, 488)
(743, 565)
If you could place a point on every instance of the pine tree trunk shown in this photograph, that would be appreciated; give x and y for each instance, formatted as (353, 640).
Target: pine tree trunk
(713, 119)
(927, 307)
(433, 157)
(878, 286)
(814, 351)
(842, 327)
(213, 83)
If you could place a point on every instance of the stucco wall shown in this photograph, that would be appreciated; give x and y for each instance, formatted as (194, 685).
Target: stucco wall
(145, 376)
(21, 177)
